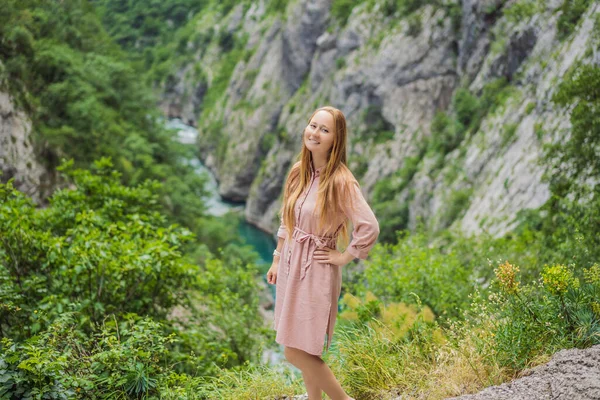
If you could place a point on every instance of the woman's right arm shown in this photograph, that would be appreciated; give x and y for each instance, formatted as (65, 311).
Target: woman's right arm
(272, 274)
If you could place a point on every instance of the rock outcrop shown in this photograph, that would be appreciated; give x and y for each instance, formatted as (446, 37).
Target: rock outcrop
(17, 156)
(181, 98)
(571, 374)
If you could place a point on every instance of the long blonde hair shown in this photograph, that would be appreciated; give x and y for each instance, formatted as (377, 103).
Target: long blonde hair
(335, 183)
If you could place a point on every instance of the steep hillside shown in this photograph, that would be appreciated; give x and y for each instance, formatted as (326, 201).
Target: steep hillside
(448, 104)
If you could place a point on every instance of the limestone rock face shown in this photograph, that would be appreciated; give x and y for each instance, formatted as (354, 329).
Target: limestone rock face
(478, 17)
(503, 159)
(259, 88)
(17, 155)
(377, 87)
(182, 96)
(391, 75)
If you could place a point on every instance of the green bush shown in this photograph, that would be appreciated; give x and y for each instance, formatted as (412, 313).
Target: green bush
(393, 217)
(277, 6)
(393, 214)
(341, 10)
(508, 133)
(571, 12)
(446, 135)
(125, 359)
(521, 11)
(403, 7)
(103, 245)
(377, 127)
(412, 268)
(456, 204)
(415, 25)
(541, 318)
(466, 106)
(103, 250)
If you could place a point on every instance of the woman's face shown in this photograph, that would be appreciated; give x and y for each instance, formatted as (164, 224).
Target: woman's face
(318, 135)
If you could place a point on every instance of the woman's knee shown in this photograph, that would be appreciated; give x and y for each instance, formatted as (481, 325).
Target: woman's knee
(292, 355)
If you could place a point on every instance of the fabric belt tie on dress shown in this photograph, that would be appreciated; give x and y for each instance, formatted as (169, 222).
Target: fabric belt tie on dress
(308, 250)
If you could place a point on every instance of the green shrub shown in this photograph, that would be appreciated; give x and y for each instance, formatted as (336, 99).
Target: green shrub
(536, 319)
(530, 107)
(446, 135)
(521, 11)
(341, 10)
(124, 360)
(466, 106)
(102, 245)
(415, 25)
(571, 12)
(403, 7)
(508, 133)
(376, 126)
(267, 141)
(392, 214)
(101, 249)
(277, 6)
(398, 272)
(495, 94)
(455, 206)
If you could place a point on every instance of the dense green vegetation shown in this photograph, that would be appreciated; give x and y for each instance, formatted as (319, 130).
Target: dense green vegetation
(571, 12)
(86, 102)
(141, 25)
(99, 299)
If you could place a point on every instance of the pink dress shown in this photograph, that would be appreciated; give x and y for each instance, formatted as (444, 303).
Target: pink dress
(307, 291)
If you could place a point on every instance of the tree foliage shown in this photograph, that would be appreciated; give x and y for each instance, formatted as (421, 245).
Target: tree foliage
(96, 293)
(87, 101)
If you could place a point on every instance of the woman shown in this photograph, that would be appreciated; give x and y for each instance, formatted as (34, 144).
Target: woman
(321, 197)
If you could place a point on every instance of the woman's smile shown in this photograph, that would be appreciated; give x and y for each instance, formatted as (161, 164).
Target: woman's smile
(318, 134)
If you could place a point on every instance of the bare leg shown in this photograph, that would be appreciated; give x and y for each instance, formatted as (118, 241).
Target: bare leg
(317, 372)
(314, 391)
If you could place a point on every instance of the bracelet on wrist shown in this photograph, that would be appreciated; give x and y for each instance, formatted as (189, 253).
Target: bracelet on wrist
(276, 253)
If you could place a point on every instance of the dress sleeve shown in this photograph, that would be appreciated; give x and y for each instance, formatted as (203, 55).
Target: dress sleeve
(365, 226)
(282, 231)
